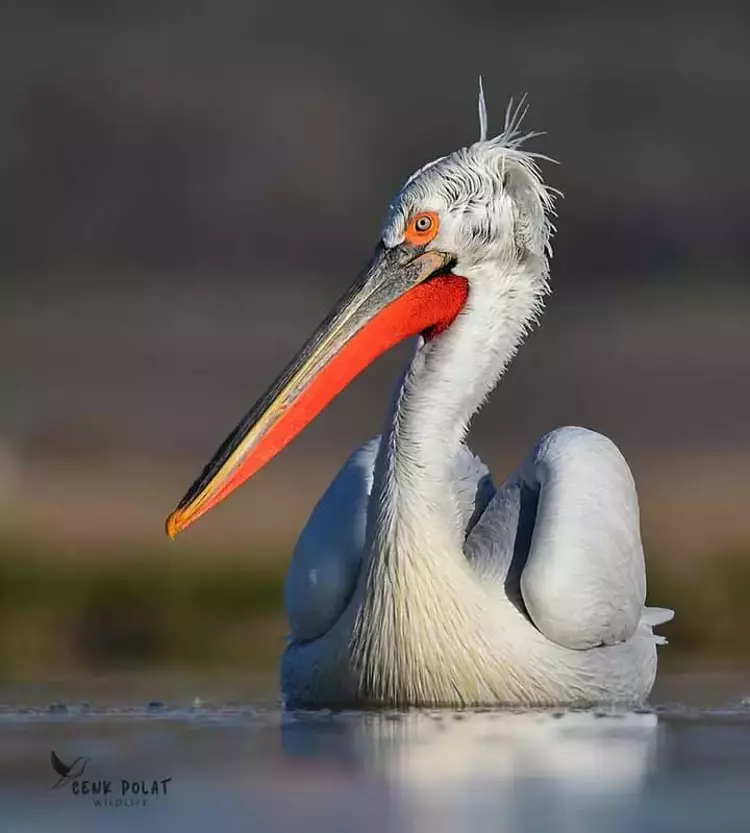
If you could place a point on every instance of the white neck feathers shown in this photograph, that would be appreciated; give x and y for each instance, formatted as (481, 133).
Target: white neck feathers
(414, 569)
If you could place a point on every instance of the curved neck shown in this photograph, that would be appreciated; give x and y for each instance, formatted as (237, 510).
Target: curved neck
(415, 584)
(411, 574)
(443, 386)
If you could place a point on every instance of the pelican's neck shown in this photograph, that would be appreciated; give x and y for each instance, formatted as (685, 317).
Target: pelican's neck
(414, 509)
(419, 616)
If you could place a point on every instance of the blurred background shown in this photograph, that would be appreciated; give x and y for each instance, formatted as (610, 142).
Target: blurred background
(186, 188)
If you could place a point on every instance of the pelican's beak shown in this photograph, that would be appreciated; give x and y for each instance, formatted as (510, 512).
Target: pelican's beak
(404, 291)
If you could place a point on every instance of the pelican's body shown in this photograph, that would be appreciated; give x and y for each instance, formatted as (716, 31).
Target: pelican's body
(416, 581)
(453, 626)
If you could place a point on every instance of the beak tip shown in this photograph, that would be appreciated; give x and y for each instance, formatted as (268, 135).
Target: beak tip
(173, 525)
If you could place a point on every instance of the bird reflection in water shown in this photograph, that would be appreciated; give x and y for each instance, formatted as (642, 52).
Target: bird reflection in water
(441, 768)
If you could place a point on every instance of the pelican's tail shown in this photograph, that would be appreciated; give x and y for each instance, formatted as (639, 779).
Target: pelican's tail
(653, 616)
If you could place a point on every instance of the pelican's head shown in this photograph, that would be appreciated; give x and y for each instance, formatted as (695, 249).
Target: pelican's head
(481, 205)
(480, 214)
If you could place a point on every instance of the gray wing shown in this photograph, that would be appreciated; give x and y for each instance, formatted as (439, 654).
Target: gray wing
(472, 486)
(563, 535)
(328, 555)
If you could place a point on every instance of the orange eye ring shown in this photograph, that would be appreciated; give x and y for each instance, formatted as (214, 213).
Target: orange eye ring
(422, 228)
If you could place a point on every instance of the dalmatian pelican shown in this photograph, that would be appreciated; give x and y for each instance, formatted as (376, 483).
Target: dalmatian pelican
(417, 582)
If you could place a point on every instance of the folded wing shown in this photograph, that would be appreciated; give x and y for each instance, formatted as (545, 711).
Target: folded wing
(563, 533)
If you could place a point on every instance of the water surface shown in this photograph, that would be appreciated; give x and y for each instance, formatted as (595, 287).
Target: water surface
(248, 766)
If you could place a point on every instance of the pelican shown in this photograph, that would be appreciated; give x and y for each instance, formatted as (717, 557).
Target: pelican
(416, 581)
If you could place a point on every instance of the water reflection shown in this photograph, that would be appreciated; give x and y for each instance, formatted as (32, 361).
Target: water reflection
(240, 768)
(447, 771)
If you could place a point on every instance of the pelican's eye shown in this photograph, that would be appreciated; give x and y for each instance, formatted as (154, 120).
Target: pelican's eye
(422, 228)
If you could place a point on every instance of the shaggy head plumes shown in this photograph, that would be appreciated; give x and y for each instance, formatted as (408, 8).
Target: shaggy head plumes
(490, 198)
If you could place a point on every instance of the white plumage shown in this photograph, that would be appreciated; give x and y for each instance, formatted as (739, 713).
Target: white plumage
(415, 582)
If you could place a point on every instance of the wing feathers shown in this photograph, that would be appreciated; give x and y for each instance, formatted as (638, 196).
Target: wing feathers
(584, 583)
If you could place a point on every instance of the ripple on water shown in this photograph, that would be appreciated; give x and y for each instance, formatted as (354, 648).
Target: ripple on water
(198, 709)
